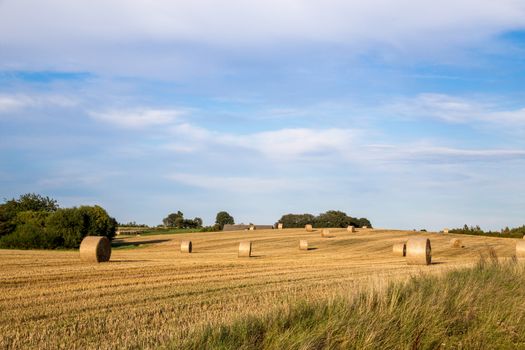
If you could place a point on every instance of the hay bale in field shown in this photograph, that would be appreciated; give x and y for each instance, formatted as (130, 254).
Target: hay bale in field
(95, 249)
(185, 247)
(309, 228)
(350, 228)
(455, 243)
(520, 249)
(252, 227)
(303, 244)
(418, 251)
(325, 233)
(364, 227)
(445, 230)
(280, 226)
(245, 249)
(400, 249)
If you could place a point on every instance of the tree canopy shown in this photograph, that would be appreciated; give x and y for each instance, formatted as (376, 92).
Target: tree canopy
(224, 218)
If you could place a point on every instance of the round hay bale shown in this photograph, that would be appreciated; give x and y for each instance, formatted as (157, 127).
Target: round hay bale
(365, 227)
(418, 251)
(280, 226)
(445, 230)
(350, 228)
(186, 247)
(252, 228)
(520, 249)
(325, 232)
(95, 249)
(455, 243)
(400, 249)
(245, 249)
(309, 228)
(303, 244)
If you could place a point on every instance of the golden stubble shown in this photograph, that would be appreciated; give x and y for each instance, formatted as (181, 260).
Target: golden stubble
(148, 295)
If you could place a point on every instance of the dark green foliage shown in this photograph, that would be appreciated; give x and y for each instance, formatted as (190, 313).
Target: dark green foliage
(457, 310)
(517, 232)
(332, 218)
(296, 220)
(34, 221)
(176, 220)
(26, 202)
(223, 218)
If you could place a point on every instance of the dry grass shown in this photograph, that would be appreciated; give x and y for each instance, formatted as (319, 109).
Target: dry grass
(145, 297)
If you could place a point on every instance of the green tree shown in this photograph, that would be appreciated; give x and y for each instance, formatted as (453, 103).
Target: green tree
(223, 218)
(174, 220)
(27, 202)
(296, 220)
(333, 218)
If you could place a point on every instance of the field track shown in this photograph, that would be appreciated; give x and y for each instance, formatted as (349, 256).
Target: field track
(149, 294)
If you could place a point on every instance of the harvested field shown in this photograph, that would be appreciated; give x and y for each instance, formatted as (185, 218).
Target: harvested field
(146, 296)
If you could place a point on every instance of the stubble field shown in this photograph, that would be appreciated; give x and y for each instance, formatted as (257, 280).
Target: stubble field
(150, 293)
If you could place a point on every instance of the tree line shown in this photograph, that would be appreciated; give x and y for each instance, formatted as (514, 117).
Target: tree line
(517, 232)
(331, 218)
(34, 221)
(177, 220)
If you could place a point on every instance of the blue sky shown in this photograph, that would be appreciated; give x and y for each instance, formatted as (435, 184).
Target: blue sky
(411, 114)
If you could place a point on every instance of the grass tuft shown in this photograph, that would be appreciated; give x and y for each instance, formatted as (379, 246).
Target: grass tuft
(480, 307)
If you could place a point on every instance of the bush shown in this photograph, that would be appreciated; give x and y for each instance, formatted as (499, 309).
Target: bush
(27, 202)
(63, 228)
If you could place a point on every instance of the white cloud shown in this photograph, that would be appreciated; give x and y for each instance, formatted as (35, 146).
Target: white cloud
(457, 110)
(135, 37)
(16, 102)
(432, 153)
(294, 143)
(240, 184)
(138, 118)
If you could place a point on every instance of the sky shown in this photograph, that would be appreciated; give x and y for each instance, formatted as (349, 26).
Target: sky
(410, 113)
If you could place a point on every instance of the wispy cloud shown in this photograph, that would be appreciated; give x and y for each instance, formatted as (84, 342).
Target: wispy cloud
(138, 118)
(457, 110)
(77, 30)
(240, 184)
(16, 102)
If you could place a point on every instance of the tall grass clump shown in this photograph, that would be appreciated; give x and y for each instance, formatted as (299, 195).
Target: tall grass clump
(477, 308)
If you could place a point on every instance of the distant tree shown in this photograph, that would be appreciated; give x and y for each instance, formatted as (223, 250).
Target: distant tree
(333, 218)
(198, 222)
(174, 220)
(363, 222)
(223, 218)
(296, 220)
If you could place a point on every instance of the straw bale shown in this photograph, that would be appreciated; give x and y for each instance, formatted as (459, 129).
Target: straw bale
(325, 233)
(245, 249)
(95, 249)
(303, 244)
(400, 249)
(455, 243)
(186, 247)
(418, 251)
(520, 249)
